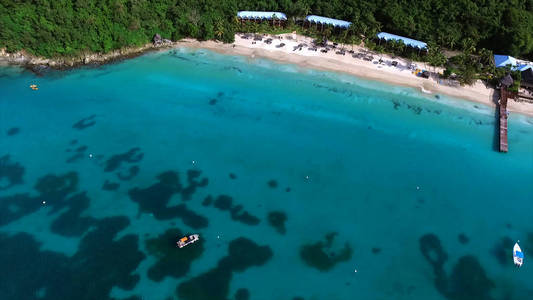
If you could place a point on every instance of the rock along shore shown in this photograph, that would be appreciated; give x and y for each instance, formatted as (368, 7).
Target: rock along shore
(36, 63)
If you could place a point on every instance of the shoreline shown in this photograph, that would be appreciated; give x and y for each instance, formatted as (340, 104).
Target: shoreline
(330, 61)
(370, 70)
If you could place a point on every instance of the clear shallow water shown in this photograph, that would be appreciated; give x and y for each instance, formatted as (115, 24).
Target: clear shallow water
(421, 204)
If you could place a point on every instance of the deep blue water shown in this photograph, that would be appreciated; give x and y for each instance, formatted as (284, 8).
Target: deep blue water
(293, 178)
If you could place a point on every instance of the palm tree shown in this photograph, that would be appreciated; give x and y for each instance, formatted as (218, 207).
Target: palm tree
(469, 46)
(219, 29)
(327, 32)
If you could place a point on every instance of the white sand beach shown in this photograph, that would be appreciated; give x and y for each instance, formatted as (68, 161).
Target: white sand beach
(385, 71)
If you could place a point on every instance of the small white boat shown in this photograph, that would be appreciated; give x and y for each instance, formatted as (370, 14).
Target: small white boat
(187, 240)
(518, 255)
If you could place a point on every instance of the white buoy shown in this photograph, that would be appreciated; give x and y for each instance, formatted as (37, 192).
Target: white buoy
(355, 270)
(44, 202)
(306, 176)
(193, 162)
(417, 187)
(91, 155)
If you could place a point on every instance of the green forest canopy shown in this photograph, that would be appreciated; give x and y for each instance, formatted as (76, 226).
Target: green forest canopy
(67, 27)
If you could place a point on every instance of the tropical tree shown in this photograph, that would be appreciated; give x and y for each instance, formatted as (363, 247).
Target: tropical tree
(435, 57)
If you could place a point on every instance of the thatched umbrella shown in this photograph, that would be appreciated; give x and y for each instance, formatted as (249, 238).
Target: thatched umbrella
(507, 80)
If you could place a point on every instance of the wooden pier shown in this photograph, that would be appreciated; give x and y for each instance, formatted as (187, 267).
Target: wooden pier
(503, 118)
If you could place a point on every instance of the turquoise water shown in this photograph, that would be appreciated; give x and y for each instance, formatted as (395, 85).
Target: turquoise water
(102, 168)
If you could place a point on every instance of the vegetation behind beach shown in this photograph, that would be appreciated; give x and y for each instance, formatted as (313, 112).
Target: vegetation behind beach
(66, 27)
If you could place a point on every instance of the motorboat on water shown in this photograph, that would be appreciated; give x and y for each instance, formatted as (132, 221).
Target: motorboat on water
(518, 255)
(187, 240)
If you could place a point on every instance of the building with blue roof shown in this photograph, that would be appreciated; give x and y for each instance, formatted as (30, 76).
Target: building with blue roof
(523, 67)
(501, 61)
(261, 15)
(327, 21)
(407, 41)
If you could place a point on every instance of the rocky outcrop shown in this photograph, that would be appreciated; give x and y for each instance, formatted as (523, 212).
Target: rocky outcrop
(33, 62)
(157, 39)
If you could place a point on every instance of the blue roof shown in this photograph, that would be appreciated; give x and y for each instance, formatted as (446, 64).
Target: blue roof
(261, 15)
(504, 60)
(407, 41)
(519, 254)
(524, 67)
(329, 21)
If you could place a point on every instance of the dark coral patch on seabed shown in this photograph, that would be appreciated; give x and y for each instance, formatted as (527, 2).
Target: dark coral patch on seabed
(225, 202)
(242, 294)
(468, 279)
(154, 199)
(172, 261)
(314, 255)
(501, 250)
(100, 263)
(53, 192)
(13, 131)
(132, 156)
(194, 183)
(12, 171)
(463, 239)
(272, 183)
(214, 284)
(71, 223)
(277, 220)
(85, 123)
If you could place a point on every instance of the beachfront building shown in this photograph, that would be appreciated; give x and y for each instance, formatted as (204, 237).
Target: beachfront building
(525, 92)
(321, 21)
(418, 45)
(502, 61)
(527, 78)
(276, 18)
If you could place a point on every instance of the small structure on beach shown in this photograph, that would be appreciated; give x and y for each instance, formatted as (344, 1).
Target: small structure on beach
(527, 78)
(275, 17)
(407, 41)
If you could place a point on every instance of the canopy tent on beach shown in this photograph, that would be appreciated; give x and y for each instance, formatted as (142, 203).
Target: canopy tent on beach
(327, 21)
(261, 15)
(407, 41)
